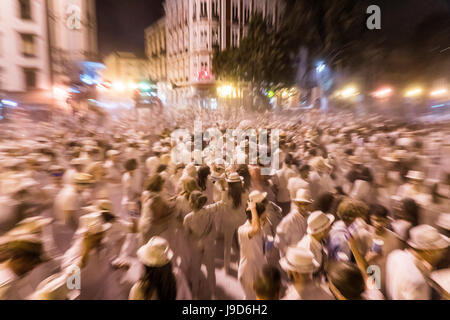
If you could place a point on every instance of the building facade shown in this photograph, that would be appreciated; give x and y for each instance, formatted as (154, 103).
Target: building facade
(194, 29)
(41, 42)
(24, 59)
(155, 47)
(73, 37)
(125, 69)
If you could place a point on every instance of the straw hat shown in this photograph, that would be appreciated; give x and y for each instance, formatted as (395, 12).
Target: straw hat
(425, 237)
(444, 221)
(319, 221)
(112, 153)
(416, 175)
(299, 260)
(92, 223)
(54, 288)
(257, 196)
(156, 253)
(30, 226)
(234, 177)
(83, 179)
(303, 196)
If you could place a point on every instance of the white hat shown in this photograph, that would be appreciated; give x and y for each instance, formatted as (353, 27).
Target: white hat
(425, 237)
(54, 288)
(302, 195)
(257, 196)
(152, 163)
(156, 253)
(416, 175)
(191, 170)
(442, 278)
(299, 260)
(444, 221)
(319, 221)
(234, 177)
(30, 225)
(112, 153)
(92, 223)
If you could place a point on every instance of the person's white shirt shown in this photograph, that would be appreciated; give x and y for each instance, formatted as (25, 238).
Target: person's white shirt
(296, 183)
(281, 181)
(404, 281)
(290, 230)
(312, 291)
(66, 200)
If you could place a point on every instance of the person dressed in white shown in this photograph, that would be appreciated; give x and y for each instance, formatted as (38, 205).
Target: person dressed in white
(251, 243)
(233, 213)
(132, 189)
(408, 271)
(319, 226)
(113, 177)
(201, 231)
(161, 280)
(293, 227)
(300, 265)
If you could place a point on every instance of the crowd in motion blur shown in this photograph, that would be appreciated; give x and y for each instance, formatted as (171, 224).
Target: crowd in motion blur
(99, 208)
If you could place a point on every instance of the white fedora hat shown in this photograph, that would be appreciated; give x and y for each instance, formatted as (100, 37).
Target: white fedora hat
(234, 177)
(319, 221)
(444, 221)
(257, 196)
(416, 175)
(92, 223)
(54, 288)
(299, 260)
(156, 253)
(425, 237)
(30, 225)
(303, 196)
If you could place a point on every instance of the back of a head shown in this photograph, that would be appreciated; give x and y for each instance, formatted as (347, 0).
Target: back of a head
(411, 211)
(131, 165)
(268, 284)
(155, 183)
(347, 278)
(379, 211)
(324, 202)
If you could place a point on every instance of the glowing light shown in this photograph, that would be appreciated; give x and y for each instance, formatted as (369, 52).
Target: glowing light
(439, 92)
(320, 67)
(9, 103)
(414, 92)
(383, 93)
(225, 91)
(438, 106)
(119, 86)
(60, 93)
(132, 86)
(270, 94)
(87, 79)
(144, 86)
(348, 92)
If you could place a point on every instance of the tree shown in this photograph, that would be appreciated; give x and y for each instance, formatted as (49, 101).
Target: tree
(262, 60)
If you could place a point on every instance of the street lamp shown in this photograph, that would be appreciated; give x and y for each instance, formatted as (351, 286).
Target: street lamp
(415, 92)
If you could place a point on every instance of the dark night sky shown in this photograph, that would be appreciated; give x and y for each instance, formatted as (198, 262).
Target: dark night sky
(121, 24)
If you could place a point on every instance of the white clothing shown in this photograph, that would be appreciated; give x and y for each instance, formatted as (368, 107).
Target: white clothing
(290, 231)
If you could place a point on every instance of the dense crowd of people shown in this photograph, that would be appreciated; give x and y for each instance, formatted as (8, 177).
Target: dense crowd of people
(352, 208)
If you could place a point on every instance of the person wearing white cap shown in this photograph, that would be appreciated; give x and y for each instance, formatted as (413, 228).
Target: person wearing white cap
(293, 227)
(319, 226)
(414, 188)
(113, 178)
(300, 265)
(408, 270)
(161, 280)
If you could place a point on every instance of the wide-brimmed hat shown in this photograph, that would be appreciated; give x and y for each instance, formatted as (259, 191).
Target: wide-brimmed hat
(54, 288)
(416, 175)
(77, 162)
(234, 177)
(319, 221)
(425, 237)
(25, 243)
(443, 221)
(156, 253)
(112, 153)
(92, 223)
(303, 196)
(83, 179)
(299, 260)
(257, 196)
(30, 226)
